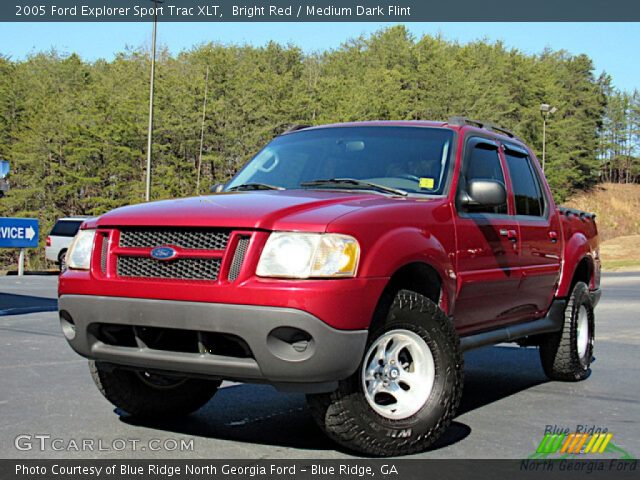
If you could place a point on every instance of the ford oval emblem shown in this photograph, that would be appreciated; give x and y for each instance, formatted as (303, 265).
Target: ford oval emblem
(163, 253)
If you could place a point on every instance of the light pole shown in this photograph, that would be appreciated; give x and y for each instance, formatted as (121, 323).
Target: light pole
(147, 193)
(545, 110)
(204, 113)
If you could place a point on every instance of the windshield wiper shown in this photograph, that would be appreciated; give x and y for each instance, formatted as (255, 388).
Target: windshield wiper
(353, 182)
(254, 186)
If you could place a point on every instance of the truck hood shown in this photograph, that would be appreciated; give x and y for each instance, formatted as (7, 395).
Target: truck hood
(269, 210)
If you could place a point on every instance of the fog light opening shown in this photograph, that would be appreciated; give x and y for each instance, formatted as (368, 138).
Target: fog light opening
(290, 343)
(68, 325)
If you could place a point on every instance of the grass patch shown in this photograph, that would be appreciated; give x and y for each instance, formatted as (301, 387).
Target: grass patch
(621, 253)
(614, 265)
(617, 208)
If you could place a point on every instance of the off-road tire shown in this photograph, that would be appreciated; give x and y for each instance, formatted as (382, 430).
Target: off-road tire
(559, 351)
(346, 416)
(127, 390)
(62, 260)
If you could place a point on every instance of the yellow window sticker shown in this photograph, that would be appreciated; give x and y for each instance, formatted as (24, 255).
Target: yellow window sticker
(428, 183)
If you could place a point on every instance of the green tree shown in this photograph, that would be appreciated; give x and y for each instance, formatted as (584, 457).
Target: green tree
(75, 131)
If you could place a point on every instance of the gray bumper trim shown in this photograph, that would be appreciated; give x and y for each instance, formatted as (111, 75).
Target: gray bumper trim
(332, 355)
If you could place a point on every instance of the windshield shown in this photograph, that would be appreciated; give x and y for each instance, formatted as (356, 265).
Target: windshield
(412, 159)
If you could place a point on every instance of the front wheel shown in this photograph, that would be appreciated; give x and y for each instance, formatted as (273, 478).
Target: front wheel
(566, 355)
(407, 389)
(146, 394)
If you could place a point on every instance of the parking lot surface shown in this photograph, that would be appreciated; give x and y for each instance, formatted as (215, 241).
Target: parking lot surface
(46, 394)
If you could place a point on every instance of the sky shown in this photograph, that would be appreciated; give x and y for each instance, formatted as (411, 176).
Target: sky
(612, 46)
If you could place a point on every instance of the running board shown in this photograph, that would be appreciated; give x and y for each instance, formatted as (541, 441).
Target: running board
(553, 322)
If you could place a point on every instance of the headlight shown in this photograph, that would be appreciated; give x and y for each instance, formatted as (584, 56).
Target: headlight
(305, 255)
(79, 253)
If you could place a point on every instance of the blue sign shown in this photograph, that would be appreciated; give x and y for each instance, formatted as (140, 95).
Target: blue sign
(18, 232)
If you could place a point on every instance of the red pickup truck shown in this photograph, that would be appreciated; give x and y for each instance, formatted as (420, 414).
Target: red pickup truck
(352, 262)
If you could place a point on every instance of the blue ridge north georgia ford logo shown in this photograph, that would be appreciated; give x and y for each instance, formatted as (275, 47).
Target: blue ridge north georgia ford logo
(163, 253)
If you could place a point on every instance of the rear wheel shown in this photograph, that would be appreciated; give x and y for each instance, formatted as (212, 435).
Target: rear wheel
(407, 389)
(62, 260)
(567, 355)
(146, 394)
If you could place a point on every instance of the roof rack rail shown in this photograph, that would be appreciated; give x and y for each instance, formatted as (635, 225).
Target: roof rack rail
(459, 121)
(293, 128)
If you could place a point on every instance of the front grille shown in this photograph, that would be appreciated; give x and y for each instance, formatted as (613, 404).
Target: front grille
(182, 268)
(197, 239)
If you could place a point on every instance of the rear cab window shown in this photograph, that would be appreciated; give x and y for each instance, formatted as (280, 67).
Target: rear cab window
(527, 191)
(66, 228)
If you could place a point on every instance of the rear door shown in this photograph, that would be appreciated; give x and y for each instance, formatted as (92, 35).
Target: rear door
(487, 247)
(539, 231)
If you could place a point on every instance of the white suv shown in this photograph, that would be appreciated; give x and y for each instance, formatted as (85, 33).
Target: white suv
(60, 238)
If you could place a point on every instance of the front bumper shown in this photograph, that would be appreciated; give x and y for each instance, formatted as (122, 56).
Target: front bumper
(289, 348)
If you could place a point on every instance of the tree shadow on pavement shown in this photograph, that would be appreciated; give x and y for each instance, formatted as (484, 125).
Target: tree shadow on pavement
(255, 414)
(258, 414)
(11, 304)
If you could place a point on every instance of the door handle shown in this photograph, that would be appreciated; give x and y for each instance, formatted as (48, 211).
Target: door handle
(553, 236)
(510, 234)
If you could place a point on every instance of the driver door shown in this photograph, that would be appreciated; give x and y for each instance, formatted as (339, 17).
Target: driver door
(487, 246)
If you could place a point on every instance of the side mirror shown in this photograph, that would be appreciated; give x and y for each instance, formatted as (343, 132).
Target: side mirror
(486, 193)
(217, 188)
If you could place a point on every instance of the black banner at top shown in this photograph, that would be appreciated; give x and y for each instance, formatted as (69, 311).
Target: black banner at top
(320, 11)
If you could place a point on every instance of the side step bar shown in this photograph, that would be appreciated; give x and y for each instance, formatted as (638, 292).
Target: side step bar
(553, 322)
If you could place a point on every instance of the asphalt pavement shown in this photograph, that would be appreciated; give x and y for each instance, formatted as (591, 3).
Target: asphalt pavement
(50, 408)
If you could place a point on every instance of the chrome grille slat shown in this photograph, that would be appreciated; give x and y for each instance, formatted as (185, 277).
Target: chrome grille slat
(182, 268)
(104, 253)
(196, 239)
(238, 257)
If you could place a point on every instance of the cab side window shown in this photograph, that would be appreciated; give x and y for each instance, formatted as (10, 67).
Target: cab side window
(526, 186)
(483, 163)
